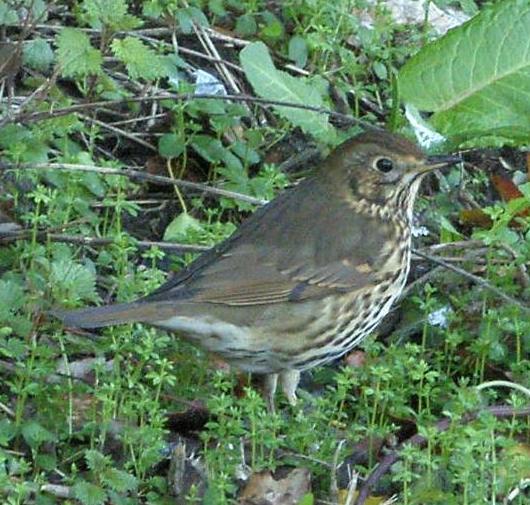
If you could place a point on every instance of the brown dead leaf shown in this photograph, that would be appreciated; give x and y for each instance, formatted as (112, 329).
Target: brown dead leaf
(355, 359)
(505, 187)
(475, 217)
(284, 487)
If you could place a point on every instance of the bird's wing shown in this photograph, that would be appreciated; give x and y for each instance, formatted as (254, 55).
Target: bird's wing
(304, 244)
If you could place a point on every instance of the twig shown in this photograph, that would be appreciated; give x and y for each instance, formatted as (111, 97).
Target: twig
(57, 490)
(210, 48)
(134, 174)
(39, 116)
(333, 485)
(474, 278)
(352, 487)
(92, 241)
(7, 410)
(121, 132)
(418, 440)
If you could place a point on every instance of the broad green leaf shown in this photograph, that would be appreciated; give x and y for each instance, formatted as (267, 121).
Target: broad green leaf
(298, 50)
(246, 25)
(476, 78)
(274, 84)
(214, 151)
(171, 145)
(180, 226)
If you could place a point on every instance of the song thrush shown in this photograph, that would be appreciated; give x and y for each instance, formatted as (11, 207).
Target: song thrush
(307, 276)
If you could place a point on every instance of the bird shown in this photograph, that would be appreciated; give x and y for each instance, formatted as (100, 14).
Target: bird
(306, 277)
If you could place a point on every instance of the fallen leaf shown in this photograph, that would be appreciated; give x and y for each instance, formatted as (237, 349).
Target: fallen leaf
(283, 487)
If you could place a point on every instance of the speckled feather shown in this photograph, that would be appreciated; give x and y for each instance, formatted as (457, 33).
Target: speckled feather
(306, 277)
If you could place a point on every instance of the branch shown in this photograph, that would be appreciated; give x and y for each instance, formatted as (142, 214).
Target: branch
(473, 278)
(135, 174)
(95, 242)
(184, 97)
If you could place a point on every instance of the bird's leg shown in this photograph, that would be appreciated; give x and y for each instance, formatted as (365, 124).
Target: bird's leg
(289, 381)
(269, 385)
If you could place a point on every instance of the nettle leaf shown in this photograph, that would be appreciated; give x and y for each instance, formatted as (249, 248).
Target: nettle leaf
(112, 13)
(72, 281)
(76, 55)
(476, 78)
(119, 480)
(96, 461)
(38, 54)
(35, 434)
(89, 494)
(140, 60)
(274, 84)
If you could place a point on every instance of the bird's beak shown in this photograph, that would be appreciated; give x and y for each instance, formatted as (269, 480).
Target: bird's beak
(441, 160)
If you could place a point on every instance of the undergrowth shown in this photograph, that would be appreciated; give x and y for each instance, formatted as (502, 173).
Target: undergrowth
(85, 415)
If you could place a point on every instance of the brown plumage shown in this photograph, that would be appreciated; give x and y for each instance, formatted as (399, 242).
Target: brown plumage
(307, 276)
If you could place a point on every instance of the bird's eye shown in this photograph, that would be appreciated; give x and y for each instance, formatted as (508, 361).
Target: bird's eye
(384, 165)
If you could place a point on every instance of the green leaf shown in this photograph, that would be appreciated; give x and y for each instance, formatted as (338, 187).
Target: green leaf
(7, 431)
(476, 78)
(111, 13)
(8, 16)
(12, 134)
(35, 434)
(214, 151)
(141, 61)
(12, 296)
(171, 145)
(273, 30)
(188, 16)
(76, 55)
(298, 51)
(307, 499)
(380, 70)
(96, 461)
(46, 462)
(89, 494)
(180, 226)
(274, 84)
(38, 54)
(246, 25)
(119, 480)
(72, 281)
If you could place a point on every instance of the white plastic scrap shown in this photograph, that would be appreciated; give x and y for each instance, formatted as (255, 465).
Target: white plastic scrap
(439, 317)
(208, 84)
(427, 137)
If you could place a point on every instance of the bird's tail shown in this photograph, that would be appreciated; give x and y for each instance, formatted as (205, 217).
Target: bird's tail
(98, 317)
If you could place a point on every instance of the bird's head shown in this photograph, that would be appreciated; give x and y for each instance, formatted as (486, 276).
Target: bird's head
(382, 168)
